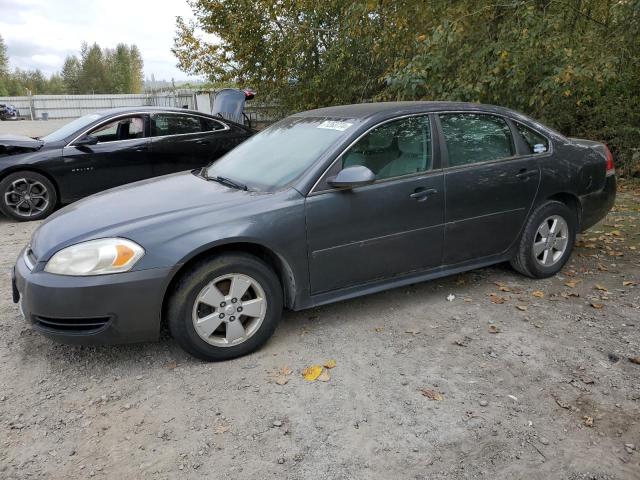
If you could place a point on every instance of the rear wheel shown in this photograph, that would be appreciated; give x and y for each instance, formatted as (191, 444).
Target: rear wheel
(27, 196)
(547, 240)
(225, 307)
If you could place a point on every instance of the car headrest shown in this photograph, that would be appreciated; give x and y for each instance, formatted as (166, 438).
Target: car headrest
(410, 144)
(379, 139)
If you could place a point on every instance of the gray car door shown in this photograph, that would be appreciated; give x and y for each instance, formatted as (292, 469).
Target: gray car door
(388, 228)
(490, 188)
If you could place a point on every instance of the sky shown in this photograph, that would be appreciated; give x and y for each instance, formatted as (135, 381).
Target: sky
(40, 33)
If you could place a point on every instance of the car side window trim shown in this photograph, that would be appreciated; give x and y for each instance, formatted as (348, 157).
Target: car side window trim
(435, 150)
(225, 126)
(444, 152)
(144, 115)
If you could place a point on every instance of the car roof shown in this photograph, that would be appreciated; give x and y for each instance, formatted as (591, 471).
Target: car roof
(148, 109)
(367, 110)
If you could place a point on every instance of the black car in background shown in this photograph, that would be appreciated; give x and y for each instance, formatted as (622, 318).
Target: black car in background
(8, 112)
(104, 150)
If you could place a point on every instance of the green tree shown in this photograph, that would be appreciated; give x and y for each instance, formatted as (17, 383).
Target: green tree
(93, 73)
(71, 74)
(572, 64)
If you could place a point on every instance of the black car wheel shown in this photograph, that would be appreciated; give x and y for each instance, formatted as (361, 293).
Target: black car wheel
(27, 196)
(225, 307)
(547, 240)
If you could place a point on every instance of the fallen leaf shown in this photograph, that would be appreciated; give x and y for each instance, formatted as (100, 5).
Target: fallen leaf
(379, 329)
(562, 404)
(312, 373)
(325, 376)
(222, 428)
(504, 289)
(462, 342)
(573, 283)
(602, 268)
(538, 294)
(286, 371)
(412, 331)
(522, 308)
(629, 283)
(597, 286)
(170, 365)
(282, 380)
(597, 306)
(493, 329)
(588, 381)
(635, 360)
(588, 421)
(497, 299)
(432, 394)
(616, 233)
(330, 364)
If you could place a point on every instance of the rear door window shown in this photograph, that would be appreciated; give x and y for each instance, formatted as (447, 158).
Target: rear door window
(536, 142)
(475, 138)
(175, 124)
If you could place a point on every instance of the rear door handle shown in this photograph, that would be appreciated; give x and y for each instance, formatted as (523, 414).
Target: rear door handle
(524, 174)
(143, 148)
(203, 142)
(422, 194)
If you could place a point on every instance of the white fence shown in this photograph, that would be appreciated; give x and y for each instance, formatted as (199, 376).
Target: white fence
(42, 107)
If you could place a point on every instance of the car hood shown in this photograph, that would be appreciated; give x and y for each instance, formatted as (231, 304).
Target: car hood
(18, 143)
(149, 210)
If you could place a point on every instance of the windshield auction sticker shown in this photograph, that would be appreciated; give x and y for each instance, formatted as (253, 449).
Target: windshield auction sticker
(335, 125)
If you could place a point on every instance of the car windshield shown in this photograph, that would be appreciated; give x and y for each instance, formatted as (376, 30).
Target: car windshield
(278, 155)
(71, 127)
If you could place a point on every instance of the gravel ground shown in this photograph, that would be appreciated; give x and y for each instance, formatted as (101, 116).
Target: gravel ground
(31, 128)
(513, 379)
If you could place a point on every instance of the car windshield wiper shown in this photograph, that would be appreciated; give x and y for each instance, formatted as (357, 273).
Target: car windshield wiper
(225, 181)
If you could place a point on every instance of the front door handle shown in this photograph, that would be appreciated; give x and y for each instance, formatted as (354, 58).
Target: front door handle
(422, 194)
(203, 142)
(524, 174)
(143, 148)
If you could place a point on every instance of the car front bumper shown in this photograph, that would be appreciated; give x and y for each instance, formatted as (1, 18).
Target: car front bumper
(102, 309)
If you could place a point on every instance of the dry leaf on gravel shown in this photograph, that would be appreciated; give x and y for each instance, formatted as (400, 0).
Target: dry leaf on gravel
(432, 394)
(597, 306)
(538, 294)
(602, 268)
(629, 283)
(412, 331)
(588, 421)
(572, 283)
(281, 376)
(312, 373)
(597, 286)
(330, 364)
(562, 404)
(497, 299)
(170, 365)
(222, 428)
(379, 329)
(325, 376)
(635, 360)
(493, 329)
(462, 342)
(522, 308)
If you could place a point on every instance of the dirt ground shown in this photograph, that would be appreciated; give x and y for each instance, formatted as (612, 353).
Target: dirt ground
(512, 379)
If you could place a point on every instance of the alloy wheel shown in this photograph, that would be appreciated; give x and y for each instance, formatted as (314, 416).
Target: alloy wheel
(229, 310)
(551, 240)
(26, 197)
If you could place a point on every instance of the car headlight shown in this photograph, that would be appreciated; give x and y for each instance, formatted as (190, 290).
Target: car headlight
(96, 257)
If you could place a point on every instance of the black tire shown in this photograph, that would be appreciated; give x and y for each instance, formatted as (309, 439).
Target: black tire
(191, 283)
(524, 260)
(27, 183)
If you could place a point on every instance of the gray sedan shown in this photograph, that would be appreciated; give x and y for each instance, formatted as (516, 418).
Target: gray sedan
(323, 206)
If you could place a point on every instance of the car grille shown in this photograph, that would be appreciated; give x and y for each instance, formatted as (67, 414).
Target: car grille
(71, 325)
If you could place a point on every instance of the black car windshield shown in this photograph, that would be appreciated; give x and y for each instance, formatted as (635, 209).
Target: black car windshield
(71, 128)
(278, 155)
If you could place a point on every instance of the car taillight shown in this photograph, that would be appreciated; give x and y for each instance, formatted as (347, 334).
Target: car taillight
(611, 168)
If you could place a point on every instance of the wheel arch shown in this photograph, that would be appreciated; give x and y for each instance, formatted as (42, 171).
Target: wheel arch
(571, 201)
(280, 266)
(30, 168)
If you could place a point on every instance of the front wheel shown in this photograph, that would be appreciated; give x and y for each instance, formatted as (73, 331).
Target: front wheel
(225, 307)
(547, 240)
(27, 196)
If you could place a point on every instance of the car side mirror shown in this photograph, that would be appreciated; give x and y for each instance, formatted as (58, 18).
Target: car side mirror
(352, 177)
(85, 141)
